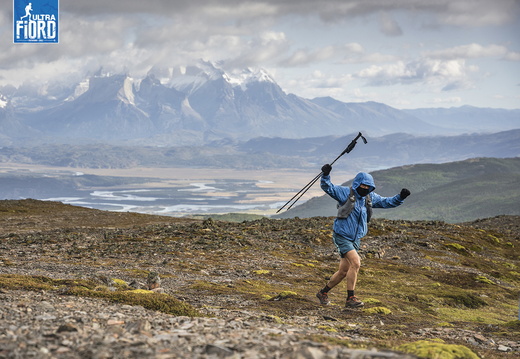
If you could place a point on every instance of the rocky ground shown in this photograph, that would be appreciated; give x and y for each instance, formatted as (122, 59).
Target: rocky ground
(79, 283)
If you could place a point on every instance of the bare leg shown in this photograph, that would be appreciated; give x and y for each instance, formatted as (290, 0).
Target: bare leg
(348, 268)
(337, 277)
(354, 264)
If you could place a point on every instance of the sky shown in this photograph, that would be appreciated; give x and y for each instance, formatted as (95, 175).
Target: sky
(403, 53)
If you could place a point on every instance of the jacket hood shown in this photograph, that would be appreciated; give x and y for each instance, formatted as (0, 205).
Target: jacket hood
(364, 178)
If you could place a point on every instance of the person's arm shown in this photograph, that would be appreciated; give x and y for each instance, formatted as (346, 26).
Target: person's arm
(338, 193)
(389, 202)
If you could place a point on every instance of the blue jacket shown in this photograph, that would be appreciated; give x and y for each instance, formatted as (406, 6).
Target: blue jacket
(355, 225)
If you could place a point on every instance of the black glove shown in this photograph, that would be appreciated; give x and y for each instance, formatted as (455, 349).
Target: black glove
(404, 193)
(326, 169)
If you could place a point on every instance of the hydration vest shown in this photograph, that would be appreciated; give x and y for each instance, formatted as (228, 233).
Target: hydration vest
(347, 207)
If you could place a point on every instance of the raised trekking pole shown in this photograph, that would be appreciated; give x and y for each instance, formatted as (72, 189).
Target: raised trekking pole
(301, 192)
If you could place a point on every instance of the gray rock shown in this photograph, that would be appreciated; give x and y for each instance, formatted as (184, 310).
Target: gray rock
(218, 350)
(503, 348)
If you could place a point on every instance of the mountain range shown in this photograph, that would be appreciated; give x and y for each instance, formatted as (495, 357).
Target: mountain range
(281, 153)
(202, 103)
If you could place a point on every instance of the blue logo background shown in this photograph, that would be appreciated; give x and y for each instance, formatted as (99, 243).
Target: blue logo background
(35, 21)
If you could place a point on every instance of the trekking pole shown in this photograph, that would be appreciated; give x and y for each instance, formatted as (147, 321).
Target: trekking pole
(301, 192)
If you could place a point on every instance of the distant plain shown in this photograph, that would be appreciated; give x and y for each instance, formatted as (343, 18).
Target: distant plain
(269, 189)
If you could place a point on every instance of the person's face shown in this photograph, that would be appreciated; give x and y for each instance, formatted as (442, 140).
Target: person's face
(363, 190)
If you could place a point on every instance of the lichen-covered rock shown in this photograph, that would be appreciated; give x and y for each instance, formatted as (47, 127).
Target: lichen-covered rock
(435, 350)
(377, 310)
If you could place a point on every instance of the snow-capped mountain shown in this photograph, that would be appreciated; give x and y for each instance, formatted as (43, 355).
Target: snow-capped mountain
(11, 126)
(106, 111)
(189, 105)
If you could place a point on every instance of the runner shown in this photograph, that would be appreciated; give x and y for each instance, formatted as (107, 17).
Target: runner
(354, 212)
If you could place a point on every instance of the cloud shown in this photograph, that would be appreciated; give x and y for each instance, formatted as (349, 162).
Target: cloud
(102, 7)
(354, 52)
(512, 56)
(354, 47)
(81, 41)
(471, 51)
(429, 71)
(351, 53)
(319, 80)
(462, 84)
(388, 25)
(267, 47)
(453, 12)
(317, 84)
(136, 34)
(82, 37)
(373, 58)
(475, 13)
(302, 57)
(447, 100)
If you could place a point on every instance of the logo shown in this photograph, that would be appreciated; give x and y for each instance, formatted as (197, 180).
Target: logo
(35, 21)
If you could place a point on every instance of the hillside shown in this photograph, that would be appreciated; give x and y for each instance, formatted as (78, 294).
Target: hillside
(451, 192)
(68, 277)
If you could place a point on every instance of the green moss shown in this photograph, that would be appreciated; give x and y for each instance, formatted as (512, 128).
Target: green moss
(120, 284)
(327, 328)
(372, 301)
(284, 295)
(515, 324)
(84, 288)
(159, 302)
(485, 315)
(515, 274)
(261, 271)
(468, 300)
(141, 291)
(26, 282)
(482, 279)
(377, 310)
(456, 247)
(431, 350)
(214, 288)
(275, 319)
(510, 265)
(287, 293)
(436, 340)
(15, 281)
(494, 239)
